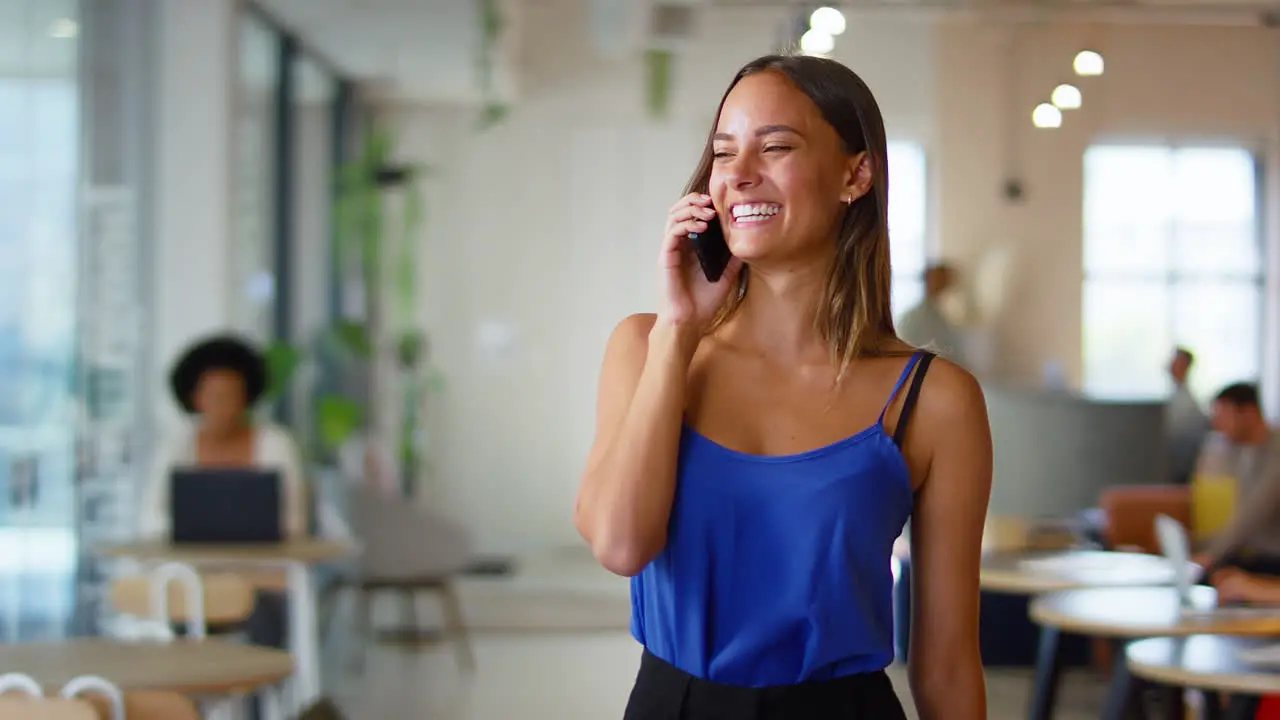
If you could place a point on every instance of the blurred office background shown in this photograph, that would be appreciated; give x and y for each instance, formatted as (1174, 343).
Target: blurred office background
(173, 168)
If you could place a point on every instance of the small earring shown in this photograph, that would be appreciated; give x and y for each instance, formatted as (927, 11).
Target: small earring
(848, 199)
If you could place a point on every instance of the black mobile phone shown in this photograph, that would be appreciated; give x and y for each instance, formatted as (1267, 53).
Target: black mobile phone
(711, 249)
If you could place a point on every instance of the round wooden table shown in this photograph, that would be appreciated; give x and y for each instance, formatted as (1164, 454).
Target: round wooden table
(1206, 662)
(298, 558)
(190, 667)
(1032, 573)
(1123, 614)
(1142, 612)
(311, 551)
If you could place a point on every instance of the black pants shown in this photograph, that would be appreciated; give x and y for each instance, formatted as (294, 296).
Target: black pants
(268, 627)
(664, 692)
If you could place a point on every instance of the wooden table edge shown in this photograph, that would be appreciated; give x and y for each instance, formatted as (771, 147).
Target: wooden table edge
(1069, 624)
(239, 687)
(156, 551)
(1250, 683)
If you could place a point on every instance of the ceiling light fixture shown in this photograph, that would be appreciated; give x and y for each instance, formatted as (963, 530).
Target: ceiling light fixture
(1088, 63)
(1066, 97)
(816, 42)
(827, 20)
(1046, 116)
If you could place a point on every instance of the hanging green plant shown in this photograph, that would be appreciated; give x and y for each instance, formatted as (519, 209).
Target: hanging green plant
(369, 230)
(491, 24)
(658, 81)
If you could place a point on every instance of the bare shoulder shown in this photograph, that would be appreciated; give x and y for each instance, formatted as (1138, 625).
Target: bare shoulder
(273, 433)
(634, 330)
(275, 439)
(949, 395)
(625, 354)
(629, 340)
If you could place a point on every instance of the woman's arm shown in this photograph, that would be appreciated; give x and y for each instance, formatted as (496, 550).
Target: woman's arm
(624, 501)
(952, 435)
(1236, 585)
(283, 455)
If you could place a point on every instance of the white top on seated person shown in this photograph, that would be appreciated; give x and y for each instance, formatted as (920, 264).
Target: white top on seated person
(217, 382)
(273, 449)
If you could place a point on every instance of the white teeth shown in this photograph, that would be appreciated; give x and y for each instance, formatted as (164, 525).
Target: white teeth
(755, 211)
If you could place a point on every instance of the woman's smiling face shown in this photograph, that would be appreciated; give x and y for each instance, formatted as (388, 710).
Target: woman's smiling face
(781, 178)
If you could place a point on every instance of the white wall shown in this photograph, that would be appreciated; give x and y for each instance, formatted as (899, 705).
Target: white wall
(548, 226)
(1162, 82)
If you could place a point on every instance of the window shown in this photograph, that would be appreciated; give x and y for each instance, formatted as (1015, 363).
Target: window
(1172, 256)
(908, 195)
(41, 337)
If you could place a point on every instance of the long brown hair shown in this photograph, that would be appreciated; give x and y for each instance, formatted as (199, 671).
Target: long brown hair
(854, 316)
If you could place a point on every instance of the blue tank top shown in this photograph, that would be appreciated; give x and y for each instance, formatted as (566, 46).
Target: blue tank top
(777, 568)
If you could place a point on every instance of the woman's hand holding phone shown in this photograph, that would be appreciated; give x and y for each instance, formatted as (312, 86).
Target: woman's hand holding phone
(687, 299)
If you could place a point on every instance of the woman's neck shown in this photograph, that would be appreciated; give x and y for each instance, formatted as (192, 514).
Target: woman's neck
(777, 316)
(226, 434)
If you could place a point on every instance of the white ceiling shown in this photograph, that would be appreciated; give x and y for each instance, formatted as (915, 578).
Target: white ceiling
(414, 49)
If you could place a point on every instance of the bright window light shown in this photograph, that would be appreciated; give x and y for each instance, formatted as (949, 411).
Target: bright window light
(1171, 257)
(64, 29)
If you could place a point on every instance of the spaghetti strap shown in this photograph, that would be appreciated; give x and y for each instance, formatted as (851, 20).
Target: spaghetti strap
(909, 404)
(902, 380)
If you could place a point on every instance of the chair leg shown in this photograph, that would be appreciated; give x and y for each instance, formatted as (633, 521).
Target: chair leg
(456, 625)
(328, 602)
(361, 625)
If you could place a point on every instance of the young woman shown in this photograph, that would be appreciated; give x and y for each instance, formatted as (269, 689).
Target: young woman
(217, 381)
(762, 440)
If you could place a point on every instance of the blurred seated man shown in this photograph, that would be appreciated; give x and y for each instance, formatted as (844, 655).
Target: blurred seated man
(1185, 422)
(1251, 539)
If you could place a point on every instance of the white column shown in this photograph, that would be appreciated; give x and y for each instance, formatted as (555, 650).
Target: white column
(195, 65)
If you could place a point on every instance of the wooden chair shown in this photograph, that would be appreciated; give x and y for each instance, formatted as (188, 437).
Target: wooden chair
(1005, 533)
(1131, 511)
(42, 708)
(88, 698)
(176, 593)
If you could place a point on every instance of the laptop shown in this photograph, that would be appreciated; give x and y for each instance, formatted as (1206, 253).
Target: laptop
(224, 506)
(1175, 545)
